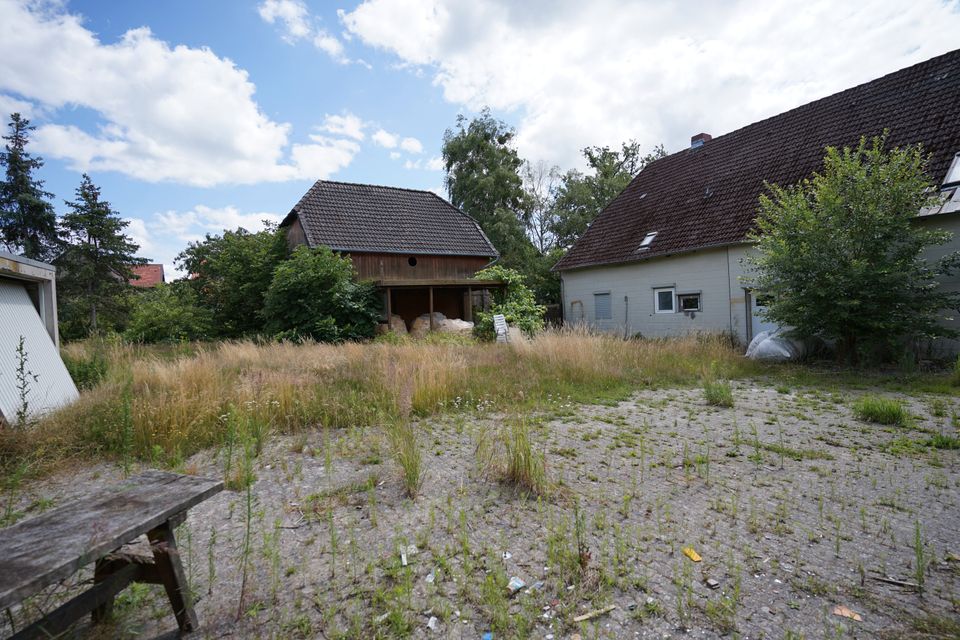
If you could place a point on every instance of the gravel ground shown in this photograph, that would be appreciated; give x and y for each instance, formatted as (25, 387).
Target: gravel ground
(794, 506)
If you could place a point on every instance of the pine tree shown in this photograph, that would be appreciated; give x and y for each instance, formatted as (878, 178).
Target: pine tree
(94, 269)
(28, 223)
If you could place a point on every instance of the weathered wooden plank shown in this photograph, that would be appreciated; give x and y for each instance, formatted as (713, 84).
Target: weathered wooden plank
(52, 546)
(61, 618)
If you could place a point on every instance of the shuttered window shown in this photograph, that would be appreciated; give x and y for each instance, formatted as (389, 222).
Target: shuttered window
(601, 306)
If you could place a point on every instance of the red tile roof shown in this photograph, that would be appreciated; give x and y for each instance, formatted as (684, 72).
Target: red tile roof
(150, 275)
(707, 196)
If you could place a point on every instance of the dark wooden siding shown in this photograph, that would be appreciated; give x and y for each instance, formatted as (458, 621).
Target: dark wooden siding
(389, 266)
(295, 234)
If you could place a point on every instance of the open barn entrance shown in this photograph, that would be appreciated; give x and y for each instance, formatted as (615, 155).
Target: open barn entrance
(454, 300)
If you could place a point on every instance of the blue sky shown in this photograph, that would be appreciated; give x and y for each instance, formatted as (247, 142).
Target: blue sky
(195, 116)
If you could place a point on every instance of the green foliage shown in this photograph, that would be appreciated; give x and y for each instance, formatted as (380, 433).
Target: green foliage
(880, 410)
(28, 223)
(87, 368)
(718, 393)
(314, 294)
(231, 274)
(580, 197)
(169, 313)
(94, 269)
(483, 179)
(515, 301)
(841, 258)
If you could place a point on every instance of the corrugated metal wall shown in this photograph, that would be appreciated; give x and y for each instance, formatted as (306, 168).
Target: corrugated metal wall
(53, 387)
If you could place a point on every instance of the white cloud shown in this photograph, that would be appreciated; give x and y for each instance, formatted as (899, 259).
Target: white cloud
(292, 14)
(298, 24)
(9, 104)
(384, 139)
(345, 124)
(168, 113)
(581, 73)
(167, 233)
(331, 46)
(433, 164)
(411, 145)
(395, 155)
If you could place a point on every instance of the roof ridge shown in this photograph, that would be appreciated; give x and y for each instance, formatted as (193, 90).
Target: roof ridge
(811, 103)
(376, 186)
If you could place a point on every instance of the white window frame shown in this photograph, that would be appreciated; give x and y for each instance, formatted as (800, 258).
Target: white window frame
(609, 306)
(656, 299)
(690, 294)
(647, 241)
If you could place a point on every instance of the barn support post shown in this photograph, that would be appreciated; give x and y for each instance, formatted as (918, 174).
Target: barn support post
(468, 311)
(432, 327)
(389, 305)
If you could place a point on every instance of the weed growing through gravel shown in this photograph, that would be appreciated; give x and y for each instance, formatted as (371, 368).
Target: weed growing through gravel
(525, 467)
(718, 393)
(880, 410)
(406, 451)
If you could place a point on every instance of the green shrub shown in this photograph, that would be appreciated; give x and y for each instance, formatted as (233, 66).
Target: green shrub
(718, 393)
(168, 313)
(314, 295)
(880, 410)
(515, 301)
(88, 368)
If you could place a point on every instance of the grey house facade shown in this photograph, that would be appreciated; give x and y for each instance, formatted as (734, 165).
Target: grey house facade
(665, 257)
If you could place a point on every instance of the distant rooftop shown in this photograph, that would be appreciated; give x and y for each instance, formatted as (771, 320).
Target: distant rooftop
(150, 275)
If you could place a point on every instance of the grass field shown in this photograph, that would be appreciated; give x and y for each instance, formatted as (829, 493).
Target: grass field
(582, 464)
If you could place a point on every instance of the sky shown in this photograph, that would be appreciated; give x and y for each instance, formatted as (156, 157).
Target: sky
(199, 116)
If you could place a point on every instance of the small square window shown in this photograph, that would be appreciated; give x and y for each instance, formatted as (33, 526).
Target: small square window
(688, 301)
(663, 300)
(601, 306)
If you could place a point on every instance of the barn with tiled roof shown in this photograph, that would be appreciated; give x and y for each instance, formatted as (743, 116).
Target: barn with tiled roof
(665, 256)
(420, 250)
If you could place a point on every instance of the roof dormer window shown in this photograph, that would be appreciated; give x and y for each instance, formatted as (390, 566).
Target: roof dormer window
(953, 174)
(647, 241)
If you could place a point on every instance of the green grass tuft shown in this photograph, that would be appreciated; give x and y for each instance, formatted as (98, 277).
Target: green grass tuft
(880, 410)
(718, 393)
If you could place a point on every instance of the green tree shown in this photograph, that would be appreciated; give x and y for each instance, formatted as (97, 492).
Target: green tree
(483, 179)
(231, 273)
(314, 295)
(28, 223)
(94, 268)
(841, 257)
(515, 301)
(168, 313)
(582, 196)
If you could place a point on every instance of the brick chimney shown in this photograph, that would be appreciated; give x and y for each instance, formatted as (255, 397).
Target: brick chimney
(699, 139)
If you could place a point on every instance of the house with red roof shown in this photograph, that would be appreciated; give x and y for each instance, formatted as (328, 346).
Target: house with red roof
(665, 257)
(147, 276)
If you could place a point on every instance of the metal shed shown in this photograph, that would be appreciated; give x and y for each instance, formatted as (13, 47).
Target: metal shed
(28, 311)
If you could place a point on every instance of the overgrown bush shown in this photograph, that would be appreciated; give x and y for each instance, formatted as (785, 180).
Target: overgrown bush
(314, 295)
(515, 301)
(169, 313)
(880, 410)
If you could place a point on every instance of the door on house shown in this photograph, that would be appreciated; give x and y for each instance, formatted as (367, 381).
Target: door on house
(758, 303)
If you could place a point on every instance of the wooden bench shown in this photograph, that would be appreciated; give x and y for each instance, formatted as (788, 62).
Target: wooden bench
(51, 547)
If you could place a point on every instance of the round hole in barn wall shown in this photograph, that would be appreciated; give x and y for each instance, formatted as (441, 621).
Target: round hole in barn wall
(412, 261)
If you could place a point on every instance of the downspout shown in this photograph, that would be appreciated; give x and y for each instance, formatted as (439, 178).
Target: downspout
(626, 316)
(729, 296)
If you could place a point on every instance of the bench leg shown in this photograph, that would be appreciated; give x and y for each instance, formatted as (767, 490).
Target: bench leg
(103, 611)
(170, 570)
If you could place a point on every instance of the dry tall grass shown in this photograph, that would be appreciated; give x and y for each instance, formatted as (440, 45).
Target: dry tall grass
(167, 403)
